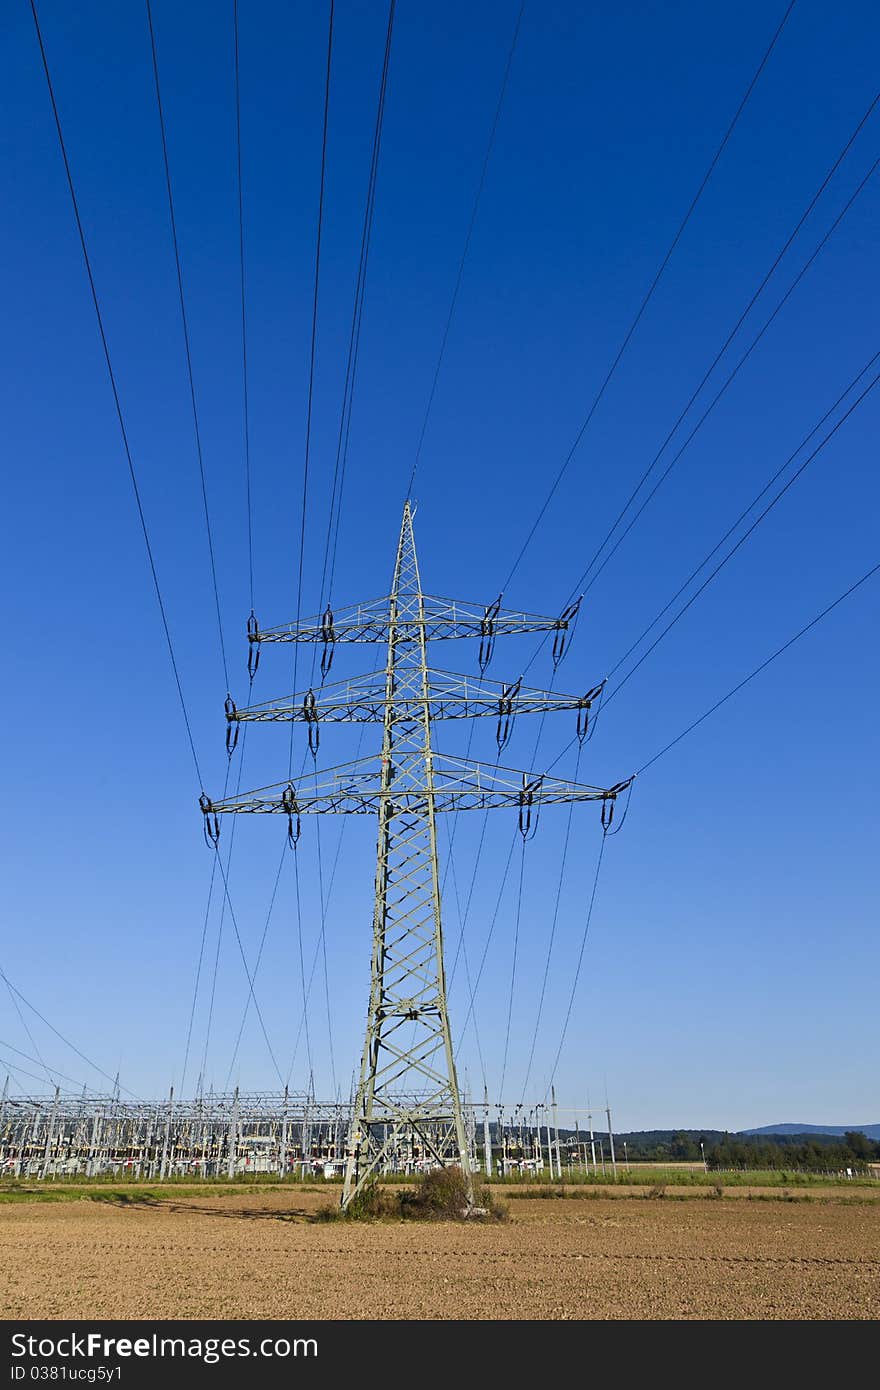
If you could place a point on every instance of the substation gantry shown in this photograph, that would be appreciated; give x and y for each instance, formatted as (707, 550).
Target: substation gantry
(408, 1080)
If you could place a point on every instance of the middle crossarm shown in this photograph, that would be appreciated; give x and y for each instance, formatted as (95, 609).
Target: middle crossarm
(362, 700)
(460, 784)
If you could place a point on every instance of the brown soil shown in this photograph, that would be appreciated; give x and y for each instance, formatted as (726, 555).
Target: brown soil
(260, 1256)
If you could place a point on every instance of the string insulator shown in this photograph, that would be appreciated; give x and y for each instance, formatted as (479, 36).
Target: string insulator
(253, 632)
(564, 631)
(506, 713)
(310, 711)
(586, 726)
(526, 801)
(613, 794)
(328, 637)
(210, 821)
(487, 633)
(232, 726)
(294, 824)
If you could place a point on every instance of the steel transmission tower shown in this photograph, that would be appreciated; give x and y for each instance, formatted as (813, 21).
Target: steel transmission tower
(408, 1083)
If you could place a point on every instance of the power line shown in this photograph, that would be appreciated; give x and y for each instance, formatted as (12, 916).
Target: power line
(21, 1071)
(116, 400)
(34, 1010)
(302, 965)
(467, 969)
(256, 969)
(827, 438)
(723, 388)
(875, 569)
(129, 459)
(517, 918)
(244, 357)
(30, 1036)
(580, 961)
(742, 540)
(185, 325)
(50, 1071)
(306, 464)
(314, 337)
(763, 666)
(648, 296)
(342, 444)
(250, 541)
(354, 341)
(467, 242)
(711, 406)
(553, 925)
(743, 514)
(473, 993)
(726, 344)
(245, 964)
(192, 1011)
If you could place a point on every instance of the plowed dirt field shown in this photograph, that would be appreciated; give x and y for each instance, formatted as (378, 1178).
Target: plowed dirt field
(260, 1256)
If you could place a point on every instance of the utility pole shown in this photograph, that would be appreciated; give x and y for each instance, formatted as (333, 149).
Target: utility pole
(232, 1145)
(50, 1131)
(282, 1153)
(592, 1141)
(408, 1076)
(611, 1141)
(556, 1132)
(487, 1137)
(163, 1169)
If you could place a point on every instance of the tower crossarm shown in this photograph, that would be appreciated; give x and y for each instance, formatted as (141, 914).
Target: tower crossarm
(361, 788)
(363, 700)
(437, 619)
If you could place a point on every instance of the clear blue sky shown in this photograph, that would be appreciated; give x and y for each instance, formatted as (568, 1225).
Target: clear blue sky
(730, 975)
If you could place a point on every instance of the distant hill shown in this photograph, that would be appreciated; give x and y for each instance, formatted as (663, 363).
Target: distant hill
(871, 1131)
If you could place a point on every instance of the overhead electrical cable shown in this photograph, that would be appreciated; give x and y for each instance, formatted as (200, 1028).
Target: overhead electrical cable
(734, 331)
(744, 513)
(552, 937)
(222, 916)
(30, 1037)
(244, 355)
(201, 957)
(860, 399)
(695, 724)
(67, 1043)
(763, 666)
(257, 962)
(718, 395)
(312, 348)
(344, 435)
(467, 969)
(116, 399)
(516, 925)
(186, 343)
(473, 993)
(21, 1071)
(131, 469)
(342, 445)
(580, 961)
(647, 298)
(50, 1071)
(761, 516)
(467, 242)
(246, 967)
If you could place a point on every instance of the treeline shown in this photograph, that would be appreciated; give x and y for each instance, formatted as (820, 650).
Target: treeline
(813, 1152)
